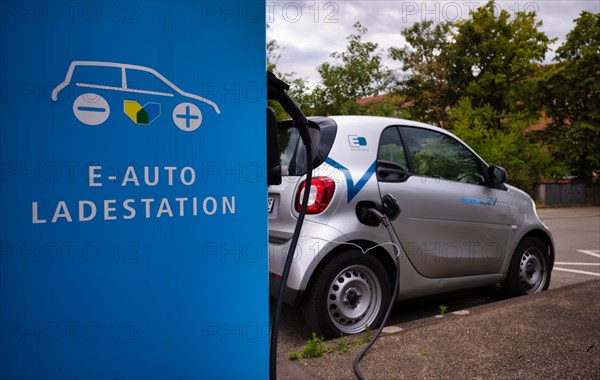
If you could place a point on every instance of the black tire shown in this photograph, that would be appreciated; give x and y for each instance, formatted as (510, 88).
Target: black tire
(348, 292)
(529, 271)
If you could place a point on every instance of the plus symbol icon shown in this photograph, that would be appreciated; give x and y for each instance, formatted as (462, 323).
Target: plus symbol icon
(187, 117)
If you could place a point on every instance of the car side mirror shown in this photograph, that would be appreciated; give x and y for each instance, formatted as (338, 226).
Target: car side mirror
(498, 175)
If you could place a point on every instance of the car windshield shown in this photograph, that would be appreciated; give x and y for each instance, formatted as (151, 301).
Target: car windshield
(293, 153)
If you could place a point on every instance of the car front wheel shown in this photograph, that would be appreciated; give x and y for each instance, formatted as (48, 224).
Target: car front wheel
(529, 270)
(348, 293)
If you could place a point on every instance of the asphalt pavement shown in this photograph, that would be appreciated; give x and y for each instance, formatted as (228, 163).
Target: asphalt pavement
(551, 335)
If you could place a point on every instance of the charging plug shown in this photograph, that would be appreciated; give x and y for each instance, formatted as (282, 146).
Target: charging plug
(371, 214)
(389, 206)
(367, 213)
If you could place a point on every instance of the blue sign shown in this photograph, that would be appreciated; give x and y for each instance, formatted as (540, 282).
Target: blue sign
(133, 190)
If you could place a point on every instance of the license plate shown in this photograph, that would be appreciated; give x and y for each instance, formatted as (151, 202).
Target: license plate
(271, 201)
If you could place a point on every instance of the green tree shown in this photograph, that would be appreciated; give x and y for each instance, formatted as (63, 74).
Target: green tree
(495, 61)
(512, 146)
(481, 78)
(273, 55)
(298, 86)
(359, 74)
(489, 57)
(424, 58)
(573, 99)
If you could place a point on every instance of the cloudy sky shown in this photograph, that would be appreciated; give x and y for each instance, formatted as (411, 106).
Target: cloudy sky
(309, 31)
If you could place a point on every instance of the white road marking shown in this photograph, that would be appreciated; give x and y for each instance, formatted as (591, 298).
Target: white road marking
(584, 264)
(586, 252)
(578, 271)
(589, 252)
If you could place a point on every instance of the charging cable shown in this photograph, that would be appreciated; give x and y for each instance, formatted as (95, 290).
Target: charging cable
(372, 213)
(276, 91)
(288, 265)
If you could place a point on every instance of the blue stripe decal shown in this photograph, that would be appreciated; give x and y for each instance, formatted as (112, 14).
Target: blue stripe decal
(353, 189)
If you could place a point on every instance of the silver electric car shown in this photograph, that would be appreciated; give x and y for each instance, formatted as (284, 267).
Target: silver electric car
(460, 225)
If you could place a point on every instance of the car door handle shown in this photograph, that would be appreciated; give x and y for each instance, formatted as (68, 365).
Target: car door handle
(391, 172)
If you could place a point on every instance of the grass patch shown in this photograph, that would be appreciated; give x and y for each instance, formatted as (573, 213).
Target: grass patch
(341, 345)
(368, 335)
(442, 309)
(314, 347)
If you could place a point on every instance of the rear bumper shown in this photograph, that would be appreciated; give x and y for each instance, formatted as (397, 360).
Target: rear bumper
(315, 242)
(290, 296)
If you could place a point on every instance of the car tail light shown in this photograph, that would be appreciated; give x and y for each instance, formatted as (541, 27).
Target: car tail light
(321, 192)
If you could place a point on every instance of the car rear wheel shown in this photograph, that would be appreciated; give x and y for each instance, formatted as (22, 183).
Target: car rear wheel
(348, 293)
(529, 270)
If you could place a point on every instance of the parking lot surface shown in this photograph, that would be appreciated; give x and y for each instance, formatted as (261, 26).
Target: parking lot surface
(555, 334)
(576, 234)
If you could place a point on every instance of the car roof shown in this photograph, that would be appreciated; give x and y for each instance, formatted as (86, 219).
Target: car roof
(379, 122)
(373, 125)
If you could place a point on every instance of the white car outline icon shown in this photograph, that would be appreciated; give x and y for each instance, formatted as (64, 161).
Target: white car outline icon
(92, 109)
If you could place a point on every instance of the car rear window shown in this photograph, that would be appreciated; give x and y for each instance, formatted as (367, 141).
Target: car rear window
(293, 153)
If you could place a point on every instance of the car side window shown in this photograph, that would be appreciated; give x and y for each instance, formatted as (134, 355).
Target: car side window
(438, 155)
(391, 148)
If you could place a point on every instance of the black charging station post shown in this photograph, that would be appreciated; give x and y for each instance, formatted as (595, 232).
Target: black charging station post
(367, 212)
(276, 90)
